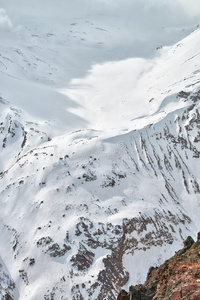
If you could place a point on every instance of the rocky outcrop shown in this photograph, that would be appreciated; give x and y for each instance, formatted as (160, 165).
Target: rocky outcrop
(7, 285)
(178, 278)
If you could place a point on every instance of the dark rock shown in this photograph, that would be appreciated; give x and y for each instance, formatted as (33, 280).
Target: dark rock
(150, 271)
(83, 259)
(123, 295)
(177, 278)
(183, 94)
(8, 297)
(56, 251)
(24, 276)
(32, 262)
(44, 241)
(188, 242)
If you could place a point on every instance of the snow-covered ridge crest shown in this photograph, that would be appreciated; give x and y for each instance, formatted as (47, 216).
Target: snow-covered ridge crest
(121, 91)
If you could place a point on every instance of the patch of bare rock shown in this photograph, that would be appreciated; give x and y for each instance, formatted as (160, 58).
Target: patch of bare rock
(178, 278)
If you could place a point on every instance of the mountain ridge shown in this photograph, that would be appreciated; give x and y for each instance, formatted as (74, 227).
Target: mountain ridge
(72, 169)
(177, 278)
(80, 208)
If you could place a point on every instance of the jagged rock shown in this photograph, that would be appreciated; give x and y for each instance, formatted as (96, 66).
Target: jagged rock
(7, 285)
(83, 259)
(8, 297)
(31, 262)
(24, 276)
(151, 269)
(123, 295)
(44, 241)
(56, 251)
(188, 242)
(183, 94)
(134, 294)
(178, 278)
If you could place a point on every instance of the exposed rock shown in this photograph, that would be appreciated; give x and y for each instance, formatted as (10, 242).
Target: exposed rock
(188, 242)
(24, 276)
(55, 250)
(83, 259)
(178, 278)
(8, 297)
(44, 241)
(7, 285)
(122, 295)
(158, 152)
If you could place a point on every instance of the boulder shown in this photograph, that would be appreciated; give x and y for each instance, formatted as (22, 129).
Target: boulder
(188, 242)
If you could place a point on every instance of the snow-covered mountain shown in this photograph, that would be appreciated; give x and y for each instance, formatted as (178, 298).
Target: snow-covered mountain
(84, 212)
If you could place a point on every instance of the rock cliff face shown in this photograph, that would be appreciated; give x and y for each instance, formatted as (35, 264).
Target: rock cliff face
(177, 278)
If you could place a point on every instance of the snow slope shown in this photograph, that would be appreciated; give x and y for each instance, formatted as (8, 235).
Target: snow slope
(117, 93)
(45, 45)
(87, 211)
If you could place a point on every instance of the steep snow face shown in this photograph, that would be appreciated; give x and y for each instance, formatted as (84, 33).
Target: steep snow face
(17, 136)
(8, 286)
(80, 212)
(84, 213)
(117, 92)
